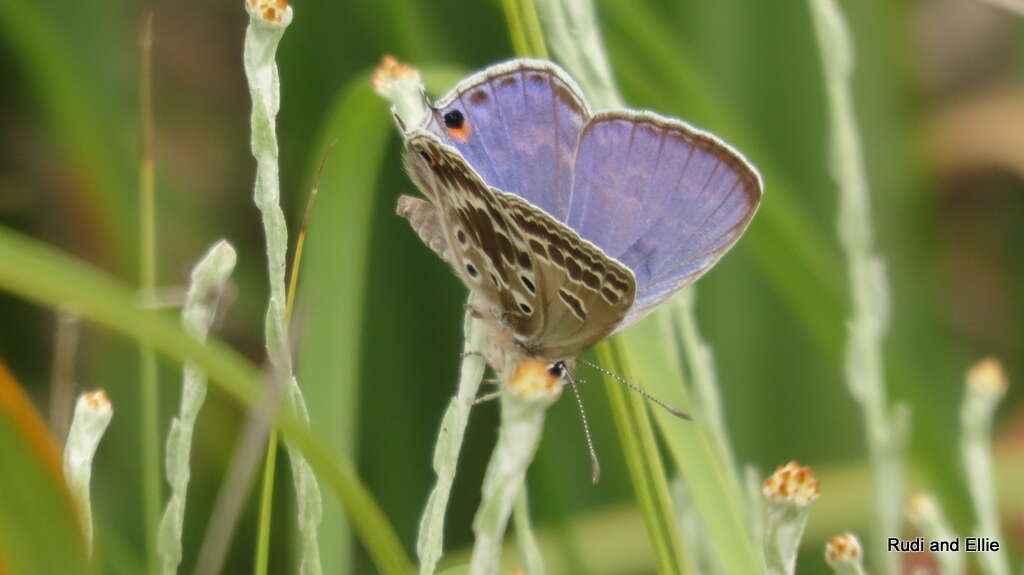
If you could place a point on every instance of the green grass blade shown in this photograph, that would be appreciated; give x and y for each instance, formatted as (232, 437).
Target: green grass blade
(524, 27)
(331, 308)
(715, 489)
(42, 274)
(646, 470)
(39, 526)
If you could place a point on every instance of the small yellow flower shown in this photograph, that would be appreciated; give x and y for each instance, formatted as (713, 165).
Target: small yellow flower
(842, 549)
(793, 483)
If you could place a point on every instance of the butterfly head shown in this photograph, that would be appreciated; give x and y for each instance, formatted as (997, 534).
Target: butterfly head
(534, 378)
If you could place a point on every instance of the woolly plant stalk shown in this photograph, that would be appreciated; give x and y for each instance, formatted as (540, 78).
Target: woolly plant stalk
(92, 416)
(788, 495)
(430, 540)
(268, 20)
(526, 394)
(885, 428)
(986, 386)
(402, 87)
(924, 514)
(201, 302)
(702, 372)
(843, 555)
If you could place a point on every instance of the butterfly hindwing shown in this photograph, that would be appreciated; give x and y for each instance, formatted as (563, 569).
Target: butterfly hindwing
(663, 198)
(557, 293)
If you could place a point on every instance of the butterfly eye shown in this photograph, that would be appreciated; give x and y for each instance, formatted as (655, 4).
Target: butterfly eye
(454, 119)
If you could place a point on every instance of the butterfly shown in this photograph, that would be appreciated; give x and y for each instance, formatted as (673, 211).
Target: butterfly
(568, 225)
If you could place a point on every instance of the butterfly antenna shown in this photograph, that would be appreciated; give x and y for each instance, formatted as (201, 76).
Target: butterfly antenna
(647, 396)
(595, 465)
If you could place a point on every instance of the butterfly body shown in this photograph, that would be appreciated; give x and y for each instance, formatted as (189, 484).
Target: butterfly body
(568, 225)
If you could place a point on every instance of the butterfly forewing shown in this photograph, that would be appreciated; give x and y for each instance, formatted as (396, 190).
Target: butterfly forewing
(661, 197)
(517, 124)
(555, 292)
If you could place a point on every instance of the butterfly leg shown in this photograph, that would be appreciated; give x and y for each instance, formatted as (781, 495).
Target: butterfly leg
(487, 397)
(474, 311)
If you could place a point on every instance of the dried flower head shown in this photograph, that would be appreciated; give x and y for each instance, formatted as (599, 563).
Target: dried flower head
(921, 507)
(390, 71)
(95, 400)
(272, 11)
(842, 549)
(988, 375)
(792, 483)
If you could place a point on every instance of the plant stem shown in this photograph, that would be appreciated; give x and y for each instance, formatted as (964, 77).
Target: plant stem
(647, 473)
(267, 24)
(151, 483)
(986, 386)
(208, 278)
(885, 428)
(523, 407)
(92, 416)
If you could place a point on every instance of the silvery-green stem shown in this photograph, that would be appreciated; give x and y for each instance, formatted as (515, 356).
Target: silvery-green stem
(522, 422)
(702, 372)
(986, 386)
(755, 504)
(430, 541)
(843, 555)
(699, 556)
(867, 278)
(570, 27)
(268, 20)
(924, 514)
(400, 84)
(788, 495)
(90, 421)
(208, 278)
(526, 541)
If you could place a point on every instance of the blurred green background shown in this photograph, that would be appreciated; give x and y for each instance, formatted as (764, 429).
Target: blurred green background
(940, 98)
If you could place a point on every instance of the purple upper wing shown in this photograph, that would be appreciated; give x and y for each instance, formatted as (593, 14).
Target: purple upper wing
(663, 198)
(517, 124)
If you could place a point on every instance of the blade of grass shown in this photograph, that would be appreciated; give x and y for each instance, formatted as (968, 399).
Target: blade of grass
(42, 274)
(524, 28)
(331, 299)
(148, 377)
(37, 513)
(645, 467)
(716, 491)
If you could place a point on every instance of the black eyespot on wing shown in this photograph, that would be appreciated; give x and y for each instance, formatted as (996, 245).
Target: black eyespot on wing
(526, 308)
(461, 236)
(528, 284)
(454, 119)
(423, 154)
(471, 270)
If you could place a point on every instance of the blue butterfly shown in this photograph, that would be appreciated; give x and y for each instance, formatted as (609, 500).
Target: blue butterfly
(569, 225)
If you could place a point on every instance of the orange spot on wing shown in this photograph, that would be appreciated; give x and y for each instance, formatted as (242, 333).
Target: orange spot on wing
(461, 133)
